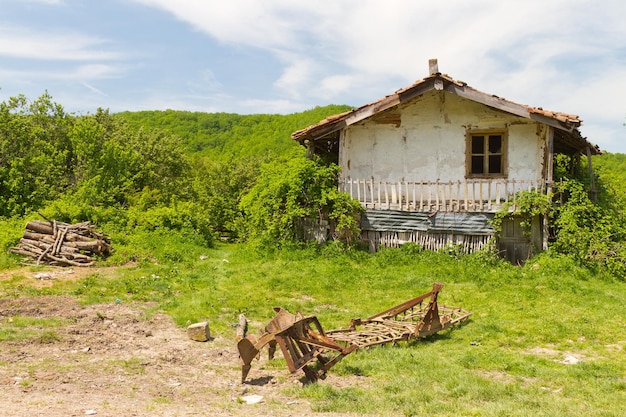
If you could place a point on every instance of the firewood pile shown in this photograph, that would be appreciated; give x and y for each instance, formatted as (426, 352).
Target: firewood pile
(62, 244)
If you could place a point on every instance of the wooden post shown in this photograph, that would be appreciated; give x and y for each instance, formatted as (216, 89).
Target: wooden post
(386, 195)
(549, 180)
(466, 193)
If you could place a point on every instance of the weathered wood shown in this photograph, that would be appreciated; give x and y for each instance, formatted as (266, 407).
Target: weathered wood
(483, 195)
(242, 327)
(40, 227)
(59, 243)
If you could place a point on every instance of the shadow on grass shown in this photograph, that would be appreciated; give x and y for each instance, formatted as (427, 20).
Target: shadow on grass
(264, 380)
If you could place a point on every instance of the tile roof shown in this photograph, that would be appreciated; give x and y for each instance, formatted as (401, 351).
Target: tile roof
(569, 136)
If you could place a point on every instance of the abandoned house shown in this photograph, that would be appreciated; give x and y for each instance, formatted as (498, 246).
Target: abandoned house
(433, 162)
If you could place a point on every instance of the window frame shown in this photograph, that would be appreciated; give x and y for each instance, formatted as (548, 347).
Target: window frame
(469, 154)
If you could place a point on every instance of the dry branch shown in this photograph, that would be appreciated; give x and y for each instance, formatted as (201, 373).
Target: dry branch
(62, 244)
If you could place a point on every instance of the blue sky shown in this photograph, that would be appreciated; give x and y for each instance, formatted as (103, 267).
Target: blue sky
(285, 56)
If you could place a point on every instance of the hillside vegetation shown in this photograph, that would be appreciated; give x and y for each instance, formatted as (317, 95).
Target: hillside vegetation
(223, 135)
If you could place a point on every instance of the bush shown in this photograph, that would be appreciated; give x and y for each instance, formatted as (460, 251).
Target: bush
(286, 193)
(591, 233)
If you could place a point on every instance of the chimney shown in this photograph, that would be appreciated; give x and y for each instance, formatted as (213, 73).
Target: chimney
(433, 67)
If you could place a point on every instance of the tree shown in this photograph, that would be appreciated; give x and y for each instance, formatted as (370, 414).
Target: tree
(36, 158)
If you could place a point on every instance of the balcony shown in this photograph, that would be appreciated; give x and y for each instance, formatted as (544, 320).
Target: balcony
(467, 195)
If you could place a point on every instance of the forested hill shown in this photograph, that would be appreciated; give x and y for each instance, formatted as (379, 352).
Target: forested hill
(224, 135)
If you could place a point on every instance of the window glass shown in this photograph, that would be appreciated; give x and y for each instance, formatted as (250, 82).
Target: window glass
(495, 144)
(495, 164)
(478, 144)
(478, 164)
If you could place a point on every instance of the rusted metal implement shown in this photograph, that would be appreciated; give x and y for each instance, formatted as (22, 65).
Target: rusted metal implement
(303, 340)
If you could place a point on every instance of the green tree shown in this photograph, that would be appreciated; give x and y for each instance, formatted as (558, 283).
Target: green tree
(218, 188)
(288, 193)
(117, 165)
(36, 157)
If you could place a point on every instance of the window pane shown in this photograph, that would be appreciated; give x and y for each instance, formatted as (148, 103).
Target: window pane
(495, 144)
(478, 165)
(495, 164)
(478, 144)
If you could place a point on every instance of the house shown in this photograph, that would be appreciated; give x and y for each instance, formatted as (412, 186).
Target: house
(433, 162)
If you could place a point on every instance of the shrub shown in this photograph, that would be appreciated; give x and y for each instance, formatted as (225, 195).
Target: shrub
(286, 193)
(590, 233)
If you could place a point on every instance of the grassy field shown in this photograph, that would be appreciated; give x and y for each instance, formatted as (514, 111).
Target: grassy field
(512, 358)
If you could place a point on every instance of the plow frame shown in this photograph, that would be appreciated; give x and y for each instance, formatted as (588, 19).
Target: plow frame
(302, 340)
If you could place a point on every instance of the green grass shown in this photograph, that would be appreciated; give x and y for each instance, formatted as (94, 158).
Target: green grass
(39, 330)
(506, 361)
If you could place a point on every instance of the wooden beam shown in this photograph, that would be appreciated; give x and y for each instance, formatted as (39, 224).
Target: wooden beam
(549, 180)
(488, 100)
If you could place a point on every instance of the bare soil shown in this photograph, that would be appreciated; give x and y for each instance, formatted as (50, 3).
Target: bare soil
(125, 359)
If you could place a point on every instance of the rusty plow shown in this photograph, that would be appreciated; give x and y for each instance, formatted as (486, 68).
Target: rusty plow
(303, 341)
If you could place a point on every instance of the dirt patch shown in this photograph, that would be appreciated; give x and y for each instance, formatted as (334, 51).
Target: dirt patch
(45, 277)
(127, 360)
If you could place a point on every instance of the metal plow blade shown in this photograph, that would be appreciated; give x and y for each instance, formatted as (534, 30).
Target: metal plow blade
(302, 340)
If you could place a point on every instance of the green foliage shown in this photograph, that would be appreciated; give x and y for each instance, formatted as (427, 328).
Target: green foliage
(218, 188)
(115, 163)
(287, 193)
(526, 205)
(188, 218)
(223, 136)
(182, 217)
(592, 233)
(153, 170)
(35, 153)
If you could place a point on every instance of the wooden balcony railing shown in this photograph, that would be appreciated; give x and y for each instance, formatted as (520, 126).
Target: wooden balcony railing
(468, 195)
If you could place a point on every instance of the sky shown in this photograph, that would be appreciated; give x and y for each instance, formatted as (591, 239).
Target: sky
(287, 56)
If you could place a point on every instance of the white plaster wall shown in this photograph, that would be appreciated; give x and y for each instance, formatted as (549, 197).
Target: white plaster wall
(429, 145)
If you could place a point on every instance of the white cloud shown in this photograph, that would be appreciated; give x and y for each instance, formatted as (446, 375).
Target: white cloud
(297, 72)
(398, 37)
(564, 55)
(266, 24)
(87, 72)
(24, 43)
(94, 89)
(271, 106)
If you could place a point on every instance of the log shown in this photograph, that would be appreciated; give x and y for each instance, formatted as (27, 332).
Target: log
(40, 227)
(59, 243)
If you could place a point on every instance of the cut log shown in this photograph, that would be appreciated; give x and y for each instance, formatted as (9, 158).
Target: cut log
(58, 243)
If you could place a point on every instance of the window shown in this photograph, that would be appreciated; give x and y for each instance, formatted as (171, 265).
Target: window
(486, 154)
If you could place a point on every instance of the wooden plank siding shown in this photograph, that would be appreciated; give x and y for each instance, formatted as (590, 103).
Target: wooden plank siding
(428, 241)
(469, 195)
